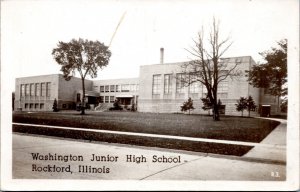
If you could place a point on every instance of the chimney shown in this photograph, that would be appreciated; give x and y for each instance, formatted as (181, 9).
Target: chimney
(161, 55)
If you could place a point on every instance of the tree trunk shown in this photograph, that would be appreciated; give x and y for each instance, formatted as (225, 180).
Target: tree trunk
(83, 98)
(216, 115)
(278, 105)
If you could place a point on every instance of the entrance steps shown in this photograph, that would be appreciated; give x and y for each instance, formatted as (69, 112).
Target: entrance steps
(103, 106)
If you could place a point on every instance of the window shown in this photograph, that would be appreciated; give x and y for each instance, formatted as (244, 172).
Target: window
(118, 88)
(42, 106)
(37, 89)
(26, 105)
(223, 86)
(43, 89)
(168, 84)
(101, 99)
(195, 87)
(179, 83)
(32, 89)
(112, 88)
(106, 88)
(36, 106)
(102, 89)
(106, 99)
(112, 99)
(131, 87)
(31, 105)
(27, 90)
(156, 84)
(125, 88)
(22, 90)
(48, 92)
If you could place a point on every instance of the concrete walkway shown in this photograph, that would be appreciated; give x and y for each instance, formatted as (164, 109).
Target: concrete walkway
(277, 138)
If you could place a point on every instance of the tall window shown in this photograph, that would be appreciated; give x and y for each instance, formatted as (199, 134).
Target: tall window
(27, 90)
(118, 88)
(22, 89)
(195, 87)
(112, 88)
(156, 84)
(102, 89)
(101, 99)
(43, 89)
(48, 92)
(223, 86)
(31, 89)
(37, 89)
(106, 99)
(112, 99)
(168, 84)
(179, 83)
(106, 88)
(132, 87)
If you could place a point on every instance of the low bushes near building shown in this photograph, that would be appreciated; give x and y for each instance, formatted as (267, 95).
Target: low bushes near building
(187, 105)
(116, 106)
(245, 103)
(55, 109)
(207, 105)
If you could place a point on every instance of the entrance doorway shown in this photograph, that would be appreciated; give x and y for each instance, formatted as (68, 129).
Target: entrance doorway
(265, 111)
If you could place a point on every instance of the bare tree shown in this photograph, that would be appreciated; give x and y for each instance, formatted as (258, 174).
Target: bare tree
(208, 68)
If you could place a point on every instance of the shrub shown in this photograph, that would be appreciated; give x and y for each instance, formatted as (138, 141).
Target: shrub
(187, 105)
(55, 109)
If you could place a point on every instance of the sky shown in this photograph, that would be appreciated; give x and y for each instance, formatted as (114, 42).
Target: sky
(31, 29)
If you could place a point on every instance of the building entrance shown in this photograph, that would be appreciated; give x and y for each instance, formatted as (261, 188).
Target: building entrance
(265, 111)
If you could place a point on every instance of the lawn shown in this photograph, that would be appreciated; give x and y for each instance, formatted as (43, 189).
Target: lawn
(229, 128)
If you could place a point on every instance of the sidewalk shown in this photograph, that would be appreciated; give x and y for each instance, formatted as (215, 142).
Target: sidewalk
(277, 138)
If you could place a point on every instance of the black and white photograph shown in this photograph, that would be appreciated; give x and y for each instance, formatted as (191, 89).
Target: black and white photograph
(149, 95)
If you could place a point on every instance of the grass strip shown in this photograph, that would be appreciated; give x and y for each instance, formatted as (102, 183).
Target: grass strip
(199, 126)
(225, 149)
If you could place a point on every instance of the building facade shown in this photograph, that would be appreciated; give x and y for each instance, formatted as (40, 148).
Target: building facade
(157, 90)
(167, 92)
(124, 90)
(38, 93)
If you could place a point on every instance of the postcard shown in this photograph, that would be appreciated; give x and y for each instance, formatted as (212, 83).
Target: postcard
(149, 95)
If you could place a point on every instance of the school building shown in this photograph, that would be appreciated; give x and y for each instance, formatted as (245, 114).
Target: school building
(158, 89)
